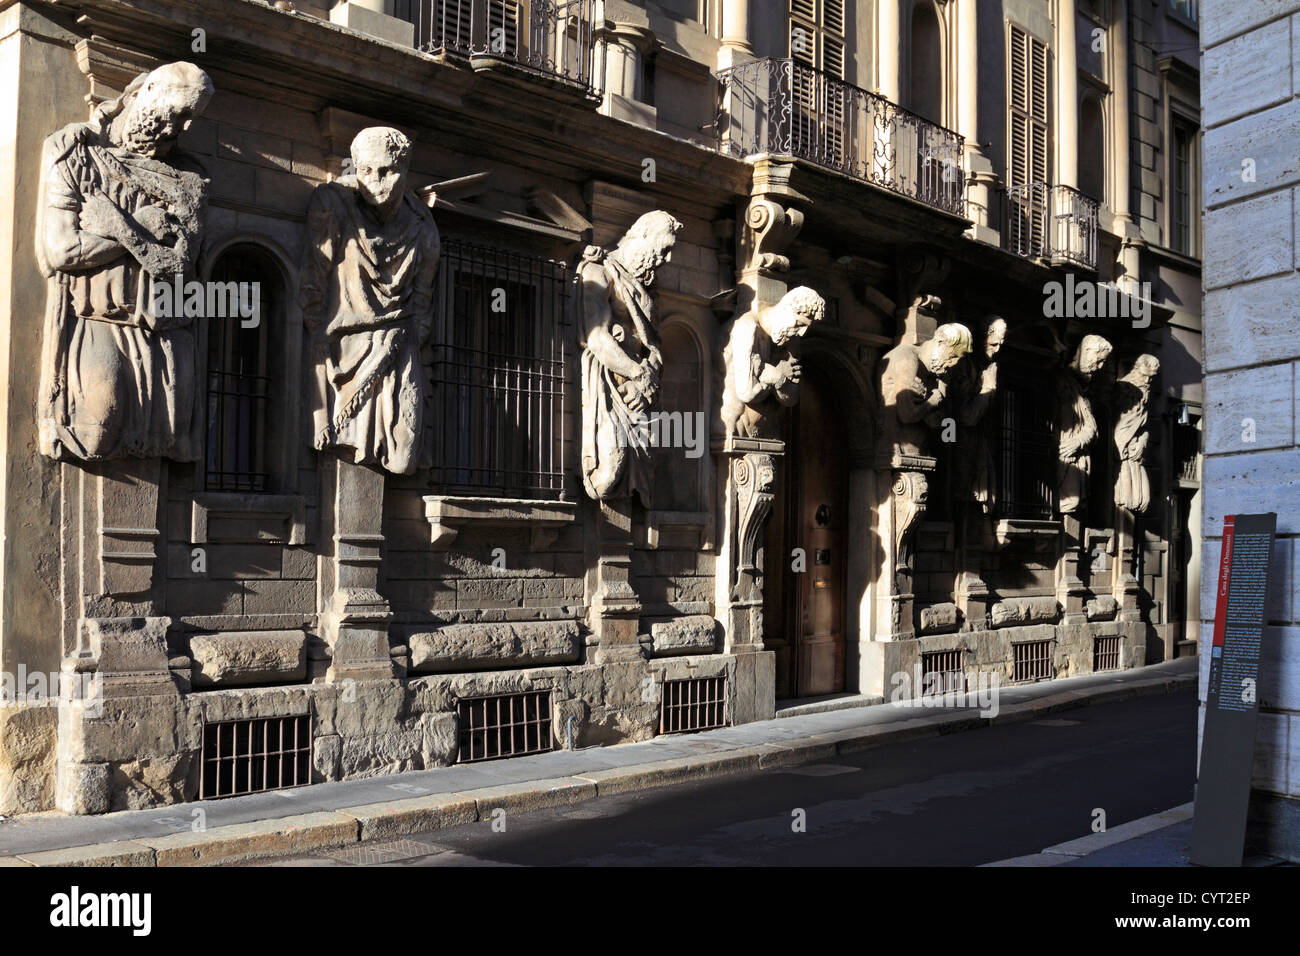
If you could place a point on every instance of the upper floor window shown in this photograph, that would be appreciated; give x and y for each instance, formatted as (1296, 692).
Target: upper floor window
(240, 373)
(1092, 147)
(499, 352)
(926, 63)
(817, 35)
(1189, 9)
(1183, 176)
(1029, 82)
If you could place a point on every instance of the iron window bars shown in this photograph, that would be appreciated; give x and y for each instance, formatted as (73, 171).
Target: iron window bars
(1032, 660)
(254, 755)
(499, 373)
(504, 725)
(693, 703)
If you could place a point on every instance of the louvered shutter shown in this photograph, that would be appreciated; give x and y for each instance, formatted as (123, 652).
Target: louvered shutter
(1028, 119)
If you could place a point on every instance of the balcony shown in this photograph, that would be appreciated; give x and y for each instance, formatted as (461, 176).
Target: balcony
(1057, 224)
(781, 106)
(553, 38)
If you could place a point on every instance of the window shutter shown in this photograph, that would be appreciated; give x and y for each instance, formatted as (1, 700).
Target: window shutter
(1029, 86)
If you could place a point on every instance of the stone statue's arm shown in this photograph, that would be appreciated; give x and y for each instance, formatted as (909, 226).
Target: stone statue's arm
(747, 372)
(978, 404)
(596, 320)
(422, 300)
(70, 249)
(915, 403)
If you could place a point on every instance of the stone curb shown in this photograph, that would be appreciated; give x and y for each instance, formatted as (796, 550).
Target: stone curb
(380, 821)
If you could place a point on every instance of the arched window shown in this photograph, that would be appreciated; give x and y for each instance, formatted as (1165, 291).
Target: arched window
(1092, 148)
(245, 282)
(926, 89)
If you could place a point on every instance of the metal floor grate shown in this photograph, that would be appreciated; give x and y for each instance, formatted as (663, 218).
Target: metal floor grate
(506, 725)
(693, 703)
(1033, 660)
(255, 755)
(941, 673)
(1105, 653)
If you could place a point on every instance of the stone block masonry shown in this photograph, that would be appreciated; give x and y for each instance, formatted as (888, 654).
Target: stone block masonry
(1251, 350)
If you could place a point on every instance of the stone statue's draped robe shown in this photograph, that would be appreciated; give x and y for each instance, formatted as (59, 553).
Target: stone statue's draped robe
(1132, 486)
(1077, 428)
(368, 286)
(115, 379)
(614, 441)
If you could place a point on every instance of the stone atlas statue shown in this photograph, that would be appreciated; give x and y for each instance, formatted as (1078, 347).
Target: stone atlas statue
(621, 357)
(367, 295)
(1076, 424)
(1132, 399)
(760, 369)
(120, 211)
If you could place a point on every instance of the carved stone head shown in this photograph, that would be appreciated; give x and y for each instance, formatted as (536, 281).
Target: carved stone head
(162, 108)
(1091, 356)
(381, 157)
(793, 315)
(648, 244)
(1146, 366)
(995, 333)
(945, 350)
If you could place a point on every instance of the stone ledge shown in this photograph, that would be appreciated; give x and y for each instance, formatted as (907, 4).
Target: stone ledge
(447, 514)
(694, 634)
(242, 658)
(468, 647)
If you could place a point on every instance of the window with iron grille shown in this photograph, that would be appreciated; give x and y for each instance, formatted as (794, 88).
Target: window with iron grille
(1105, 653)
(694, 703)
(255, 755)
(1026, 446)
(499, 353)
(1186, 8)
(1032, 660)
(941, 673)
(1187, 448)
(504, 725)
(239, 379)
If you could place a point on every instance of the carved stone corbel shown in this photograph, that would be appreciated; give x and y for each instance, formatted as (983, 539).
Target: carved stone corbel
(755, 477)
(769, 230)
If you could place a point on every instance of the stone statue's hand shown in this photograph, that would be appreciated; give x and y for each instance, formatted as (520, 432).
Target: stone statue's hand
(158, 222)
(792, 371)
(989, 380)
(102, 218)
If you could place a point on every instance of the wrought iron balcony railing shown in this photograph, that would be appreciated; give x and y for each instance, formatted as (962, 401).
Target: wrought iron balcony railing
(781, 106)
(554, 38)
(1055, 223)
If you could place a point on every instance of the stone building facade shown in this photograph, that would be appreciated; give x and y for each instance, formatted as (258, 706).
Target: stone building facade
(392, 385)
(1251, 459)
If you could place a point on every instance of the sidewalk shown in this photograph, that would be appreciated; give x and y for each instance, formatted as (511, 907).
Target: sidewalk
(339, 814)
(1162, 839)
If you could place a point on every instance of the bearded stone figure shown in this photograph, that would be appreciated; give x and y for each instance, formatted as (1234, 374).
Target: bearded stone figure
(914, 384)
(367, 295)
(621, 358)
(1132, 397)
(1076, 425)
(761, 370)
(120, 212)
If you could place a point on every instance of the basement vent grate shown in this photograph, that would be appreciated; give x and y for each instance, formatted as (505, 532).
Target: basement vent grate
(255, 755)
(694, 703)
(941, 673)
(1105, 653)
(506, 725)
(1033, 660)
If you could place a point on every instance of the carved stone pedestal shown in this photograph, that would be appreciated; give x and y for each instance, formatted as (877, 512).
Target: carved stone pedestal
(1126, 585)
(972, 591)
(897, 517)
(751, 478)
(1071, 592)
(354, 618)
(614, 609)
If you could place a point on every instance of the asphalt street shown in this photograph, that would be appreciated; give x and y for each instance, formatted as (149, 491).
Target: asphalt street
(960, 799)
